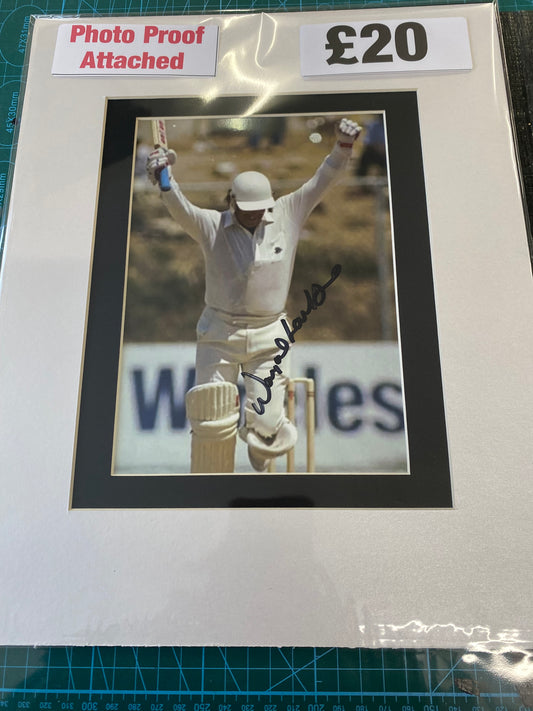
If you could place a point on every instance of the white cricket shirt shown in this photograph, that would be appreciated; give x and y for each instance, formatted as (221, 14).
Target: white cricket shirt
(250, 274)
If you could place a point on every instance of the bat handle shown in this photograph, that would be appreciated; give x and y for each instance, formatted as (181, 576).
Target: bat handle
(164, 180)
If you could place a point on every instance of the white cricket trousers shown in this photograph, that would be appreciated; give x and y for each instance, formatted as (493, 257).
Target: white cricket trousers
(230, 345)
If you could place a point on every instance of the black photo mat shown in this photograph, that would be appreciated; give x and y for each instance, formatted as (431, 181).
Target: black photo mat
(427, 485)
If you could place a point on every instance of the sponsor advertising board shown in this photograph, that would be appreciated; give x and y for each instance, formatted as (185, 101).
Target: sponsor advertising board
(359, 409)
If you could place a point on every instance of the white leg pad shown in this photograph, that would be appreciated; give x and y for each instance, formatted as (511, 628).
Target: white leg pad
(213, 411)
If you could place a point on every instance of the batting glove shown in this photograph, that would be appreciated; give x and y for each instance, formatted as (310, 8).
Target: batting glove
(347, 132)
(156, 161)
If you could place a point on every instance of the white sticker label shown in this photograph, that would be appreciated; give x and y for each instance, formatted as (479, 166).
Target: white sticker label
(385, 46)
(94, 49)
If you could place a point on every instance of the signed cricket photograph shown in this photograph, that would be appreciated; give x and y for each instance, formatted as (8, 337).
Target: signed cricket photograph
(263, 323)
(266, 264)
(266, 334)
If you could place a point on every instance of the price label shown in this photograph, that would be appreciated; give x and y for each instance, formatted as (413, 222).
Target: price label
(385, 46)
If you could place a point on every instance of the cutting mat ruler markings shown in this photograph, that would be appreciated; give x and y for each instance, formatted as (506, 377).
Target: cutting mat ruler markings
(260, 679)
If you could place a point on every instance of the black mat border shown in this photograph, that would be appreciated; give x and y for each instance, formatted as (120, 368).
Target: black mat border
(428, 483)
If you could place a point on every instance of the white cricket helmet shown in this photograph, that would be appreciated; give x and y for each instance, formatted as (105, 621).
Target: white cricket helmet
(251, 191)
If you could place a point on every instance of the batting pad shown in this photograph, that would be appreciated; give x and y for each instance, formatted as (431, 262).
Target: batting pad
(213, 410)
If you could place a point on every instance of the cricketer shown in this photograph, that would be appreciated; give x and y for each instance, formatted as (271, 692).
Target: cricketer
(249, 252)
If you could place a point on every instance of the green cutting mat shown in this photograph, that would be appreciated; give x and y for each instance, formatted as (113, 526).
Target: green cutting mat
(262, 679)
(246, 679)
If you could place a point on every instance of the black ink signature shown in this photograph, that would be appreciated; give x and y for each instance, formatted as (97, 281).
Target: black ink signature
(315, 299)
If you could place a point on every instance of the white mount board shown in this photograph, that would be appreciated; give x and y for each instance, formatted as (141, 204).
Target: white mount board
(312, 577)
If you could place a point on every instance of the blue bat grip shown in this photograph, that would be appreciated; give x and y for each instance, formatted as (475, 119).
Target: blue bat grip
(164, 180)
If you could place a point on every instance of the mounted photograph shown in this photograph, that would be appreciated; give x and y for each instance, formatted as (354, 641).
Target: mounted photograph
(227, 268)
(266, 334)
(258, 323)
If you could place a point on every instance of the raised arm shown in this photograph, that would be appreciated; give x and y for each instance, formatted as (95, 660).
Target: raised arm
(302, 201)
(198, 222)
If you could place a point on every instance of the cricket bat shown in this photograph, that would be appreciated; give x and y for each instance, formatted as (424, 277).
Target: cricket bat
(159, 134)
